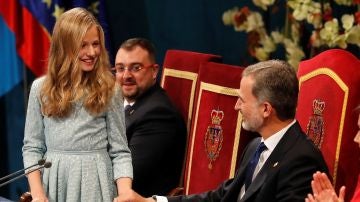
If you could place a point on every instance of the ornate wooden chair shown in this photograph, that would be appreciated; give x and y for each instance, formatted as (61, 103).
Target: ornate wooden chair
(179, 77)
(216, 137)
(329, 92)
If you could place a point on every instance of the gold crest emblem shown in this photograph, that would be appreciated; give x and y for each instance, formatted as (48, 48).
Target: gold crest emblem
(214, 137)
(315, 126)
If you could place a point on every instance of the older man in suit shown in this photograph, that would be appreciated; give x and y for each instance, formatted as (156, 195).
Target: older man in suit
(155, 130)
(277, 166)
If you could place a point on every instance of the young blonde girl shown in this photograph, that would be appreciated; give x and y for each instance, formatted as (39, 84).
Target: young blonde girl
(75, 118)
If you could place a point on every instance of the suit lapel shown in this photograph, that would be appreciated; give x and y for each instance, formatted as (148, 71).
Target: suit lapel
(142, 99)
(238, 181)
(135, 113)
(273, 163)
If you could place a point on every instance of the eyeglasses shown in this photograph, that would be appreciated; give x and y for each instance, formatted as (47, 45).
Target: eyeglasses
(132, 68)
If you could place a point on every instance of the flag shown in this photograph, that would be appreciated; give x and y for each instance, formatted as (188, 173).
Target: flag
(25, 33)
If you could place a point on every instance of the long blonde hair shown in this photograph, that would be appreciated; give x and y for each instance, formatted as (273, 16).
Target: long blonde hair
(65, 82)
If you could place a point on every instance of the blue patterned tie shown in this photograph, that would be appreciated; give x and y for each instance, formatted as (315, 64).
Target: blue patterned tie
(252, 165)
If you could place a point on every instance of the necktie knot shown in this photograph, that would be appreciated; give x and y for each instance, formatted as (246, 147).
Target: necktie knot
(261, 148)
(127, 109)
(253, 163)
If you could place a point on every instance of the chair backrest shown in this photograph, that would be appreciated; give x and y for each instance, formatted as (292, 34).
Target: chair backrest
(329, 86)
(216, 136)
(179, 77)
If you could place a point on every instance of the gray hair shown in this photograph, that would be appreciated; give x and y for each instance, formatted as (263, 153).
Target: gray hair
(276, 83)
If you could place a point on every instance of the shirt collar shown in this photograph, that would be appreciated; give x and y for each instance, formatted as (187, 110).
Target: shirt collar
(273, 140)
(128, 103)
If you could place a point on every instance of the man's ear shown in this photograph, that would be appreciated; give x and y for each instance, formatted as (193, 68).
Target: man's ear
(155, 68)
(267, 109)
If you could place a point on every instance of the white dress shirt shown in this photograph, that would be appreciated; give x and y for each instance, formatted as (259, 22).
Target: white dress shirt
(270, 144)
(128, 103)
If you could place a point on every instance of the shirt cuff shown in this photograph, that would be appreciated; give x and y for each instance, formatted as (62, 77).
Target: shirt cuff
(160, 198)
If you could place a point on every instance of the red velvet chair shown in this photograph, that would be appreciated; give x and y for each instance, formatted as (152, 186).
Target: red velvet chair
(179, 77)
(216, 137)
(329, 92)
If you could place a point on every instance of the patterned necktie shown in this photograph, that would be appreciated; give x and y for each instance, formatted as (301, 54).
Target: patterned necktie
(252, 165)
(127, 110)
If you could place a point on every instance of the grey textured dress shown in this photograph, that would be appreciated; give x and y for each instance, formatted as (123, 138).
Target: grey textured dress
(87, 152)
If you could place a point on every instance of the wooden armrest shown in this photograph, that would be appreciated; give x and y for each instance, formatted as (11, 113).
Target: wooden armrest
(176, 191)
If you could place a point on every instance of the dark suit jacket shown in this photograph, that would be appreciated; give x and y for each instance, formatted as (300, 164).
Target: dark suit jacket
(156, 134)
(285, 176)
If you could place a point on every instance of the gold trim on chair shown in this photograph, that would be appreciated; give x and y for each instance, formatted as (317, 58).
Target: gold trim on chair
(220, 90)
(345, 88)
(183, 75)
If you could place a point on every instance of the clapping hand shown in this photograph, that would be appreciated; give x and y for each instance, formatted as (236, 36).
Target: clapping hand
(323, 190)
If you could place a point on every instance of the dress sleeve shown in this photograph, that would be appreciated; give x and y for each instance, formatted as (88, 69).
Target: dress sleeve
(118, 146)
(34, 146)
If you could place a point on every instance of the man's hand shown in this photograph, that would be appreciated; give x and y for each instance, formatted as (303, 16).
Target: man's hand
(132, 196)
(43, 199)
(323, 190)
